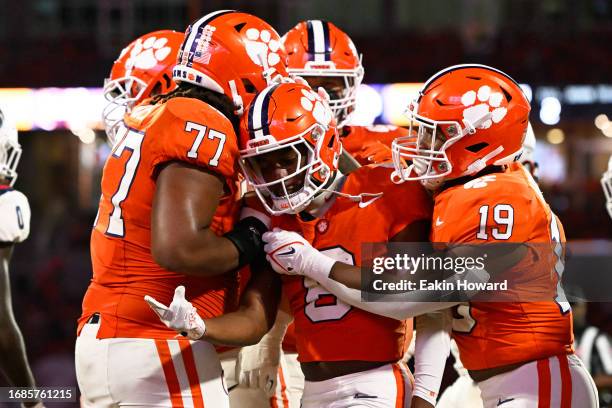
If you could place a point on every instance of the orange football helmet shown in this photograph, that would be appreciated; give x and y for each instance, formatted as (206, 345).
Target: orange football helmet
(469, 117)
(232, 53)
(317, 48)
(143, 69)
(293, 123)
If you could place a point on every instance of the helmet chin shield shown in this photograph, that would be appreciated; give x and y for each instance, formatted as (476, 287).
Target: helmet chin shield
(606, 183)
(10, 154)
(426, 158)
(303, 180)
(122, 94)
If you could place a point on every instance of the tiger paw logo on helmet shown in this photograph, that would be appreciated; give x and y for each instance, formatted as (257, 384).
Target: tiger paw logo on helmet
(259, 44)
(146, 54)
(488, 100)
(312, 103)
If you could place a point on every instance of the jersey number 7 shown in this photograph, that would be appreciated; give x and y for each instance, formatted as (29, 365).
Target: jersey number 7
(131, 140)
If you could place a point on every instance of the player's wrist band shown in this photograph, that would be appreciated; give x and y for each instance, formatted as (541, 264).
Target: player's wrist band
(246, 237)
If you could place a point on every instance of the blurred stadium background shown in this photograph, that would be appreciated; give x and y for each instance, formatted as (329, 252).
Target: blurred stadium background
(55, 54)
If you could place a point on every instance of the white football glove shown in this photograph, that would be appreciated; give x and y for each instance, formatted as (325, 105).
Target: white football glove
(257, 365)
(180, 316)
(290, 254)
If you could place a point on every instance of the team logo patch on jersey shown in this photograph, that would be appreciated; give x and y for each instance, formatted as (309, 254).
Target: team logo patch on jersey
(480, 182)
(322, 226)
(487, 100)
(260, 45)
(145, 55)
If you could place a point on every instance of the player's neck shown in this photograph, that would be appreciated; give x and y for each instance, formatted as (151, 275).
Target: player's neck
(462, 180)
(324, 200)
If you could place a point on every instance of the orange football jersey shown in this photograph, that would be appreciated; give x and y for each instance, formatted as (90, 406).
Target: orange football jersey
(506, 207)
(181, 129)
(327, 329)
(370, 144)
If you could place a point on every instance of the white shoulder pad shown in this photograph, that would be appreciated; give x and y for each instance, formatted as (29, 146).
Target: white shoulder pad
(14, 216)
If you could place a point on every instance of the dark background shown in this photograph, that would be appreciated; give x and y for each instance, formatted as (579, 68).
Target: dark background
(69, 43)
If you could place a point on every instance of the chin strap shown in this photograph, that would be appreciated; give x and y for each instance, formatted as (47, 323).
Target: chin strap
(356, 198)
(237, 99)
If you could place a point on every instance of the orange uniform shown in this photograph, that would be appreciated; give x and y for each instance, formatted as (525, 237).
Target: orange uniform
(326, 328)
(370, 144)
(504, 207)
(181, 129)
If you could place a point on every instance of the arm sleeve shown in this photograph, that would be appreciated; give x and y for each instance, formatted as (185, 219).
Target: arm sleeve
(399, 307)
(14, 217)
(431, 351)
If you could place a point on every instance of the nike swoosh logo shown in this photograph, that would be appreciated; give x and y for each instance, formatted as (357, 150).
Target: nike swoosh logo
(360, 395)
(290, 252)
(439, 222)
(499, 402)
(364, 204)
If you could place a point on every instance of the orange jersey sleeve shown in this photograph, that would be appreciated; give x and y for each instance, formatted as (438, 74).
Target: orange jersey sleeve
(182, 129)
(505, 207)
(326, 328)
(371, 144)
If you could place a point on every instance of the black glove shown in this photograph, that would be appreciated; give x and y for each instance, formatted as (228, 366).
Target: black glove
(246, 236)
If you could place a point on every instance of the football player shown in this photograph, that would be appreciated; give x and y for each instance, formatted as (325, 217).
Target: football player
(326, 57)
(349, 357)
(472, 120)
(606, 183)
(464, 391)
(143, 70)
(167, 217)
(14, 228)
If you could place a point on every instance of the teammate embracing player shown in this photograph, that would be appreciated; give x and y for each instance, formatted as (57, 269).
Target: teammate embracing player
(472, 120)
(167, 218)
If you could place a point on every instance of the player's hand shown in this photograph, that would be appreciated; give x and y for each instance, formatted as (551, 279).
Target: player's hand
(376, 152)
(257, 367)
(290, 254)
(180, 316)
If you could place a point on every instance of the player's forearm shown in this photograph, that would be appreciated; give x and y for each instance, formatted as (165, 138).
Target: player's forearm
(395, 306)
(255, 316)
(235, 329)
(348, 275)
(13, 359)
(431, 351)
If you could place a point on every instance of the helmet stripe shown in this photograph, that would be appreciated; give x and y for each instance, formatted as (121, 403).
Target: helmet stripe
(258, 114)
(311, 46)
(316, 40)
(250, 121)
(326, 46)
(192, 40)
(264, 110)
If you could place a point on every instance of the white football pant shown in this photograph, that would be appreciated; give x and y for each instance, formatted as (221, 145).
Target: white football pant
(555, 382)
(389, 386)
(132, 372)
